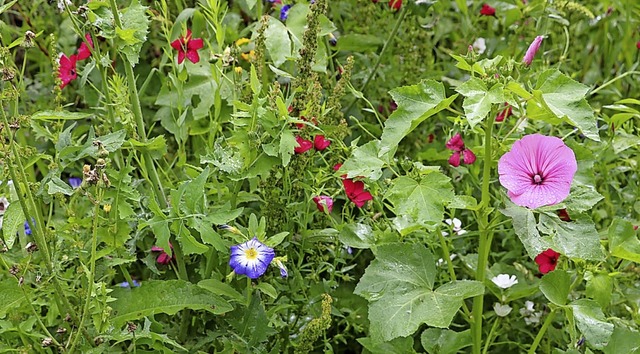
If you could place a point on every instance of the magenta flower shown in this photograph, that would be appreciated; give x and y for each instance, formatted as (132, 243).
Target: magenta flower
(67, 70)
(533, 49)
(537, 171)
(164, 257)
(320, 142)
(456, 144)
(187, 47)
(304, 145)
(323, 203)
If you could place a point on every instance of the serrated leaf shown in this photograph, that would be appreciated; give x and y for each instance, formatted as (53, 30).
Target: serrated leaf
(287, 144)
(64, 138)
(478, 99)
(208, 234)
(13, 219)
(560, 97)
(575, 239)
(423, 200)
(592, 322)
(582, 198)
(133, 34)
(194, 194)
(524, 225)
(415, 104)
(169, 296)
(364, 162)
(398, 285)
(623, 242)
(277, 41)
(555, 286)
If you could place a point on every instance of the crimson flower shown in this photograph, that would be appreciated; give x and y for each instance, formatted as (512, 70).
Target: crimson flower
(563, 215)
(638, 44)
(163, 258)
(320, 143)
(188, 47)
(395, 4)
(537, 171)
(355, 191)
(303, 145)
(323, 203)
(460, 152)
(487, 10)
(67, 69)
(337, 166)
(547, 261)
(504, 114)
(84, 52)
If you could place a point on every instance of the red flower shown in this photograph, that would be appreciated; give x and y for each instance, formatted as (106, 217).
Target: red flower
(355, 192)
(547, 261)
(303, 145)
(320, 143)
(430, 138)
(487, 10)
(564, 216)
(323, 203)
(456, 144)
(84, 52)
(188, 47)
(337, 166)
(504, 114)
(67, 69)
(163, 258)
(638, 44)
(395, 4)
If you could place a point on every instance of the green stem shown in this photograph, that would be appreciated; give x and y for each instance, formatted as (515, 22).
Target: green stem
(484, 239)
(126, 275)
(594, 91)
(541, 333)
(392, 34)
(493, 329)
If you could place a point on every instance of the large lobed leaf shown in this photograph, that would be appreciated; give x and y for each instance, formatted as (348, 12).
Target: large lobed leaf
(399, 287)
(422, 200)
(169, 296)
(415, 104)
(478, 99)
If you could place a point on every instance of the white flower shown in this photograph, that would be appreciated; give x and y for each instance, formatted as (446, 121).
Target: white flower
(502, 310)
(62, 4)
(480, 45)
(441, 261)
(529, 313)
(505, 281)
(457, 226)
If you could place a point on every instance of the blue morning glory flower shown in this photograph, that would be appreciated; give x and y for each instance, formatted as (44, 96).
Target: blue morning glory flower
(283, 269)
(284, 12)
(125, 284)
(251, 258)
(75, 182)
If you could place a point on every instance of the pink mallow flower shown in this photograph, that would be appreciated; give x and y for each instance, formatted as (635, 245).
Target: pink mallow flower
(320, 142)
(537, 171)
(460, 152)
(84, 52)
(67, 70)
(533, 49)
(187, 47)
(323, 203)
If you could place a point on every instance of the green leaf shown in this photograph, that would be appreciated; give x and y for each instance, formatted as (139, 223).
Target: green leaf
(157, 146)
(194, 194)
(276, 239)
(623, 340)
(559, 97)
(287, 144)
(575, 239)
(60, 115)
(403, 345)
(415, 104)
(355, 42)
(169, 296)
(622, 141)
(463, 202)
(599, 288)
(555, 286)
(423, 200)
(592, 322)
(623, 242)
(478, 99)
(524, 225)
(11, 295)
(219, 288)
(582, 198)
(208, 234)
(135, 26)
(64, 138)
(398, 285)
(268, 289)
(356, 235)
(13, 219)
(56, 185)
(364, 162)
(445, 341)
(188, 242)
(277, 41)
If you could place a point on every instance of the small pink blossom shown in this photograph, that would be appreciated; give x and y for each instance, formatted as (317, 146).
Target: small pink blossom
(468, 157)
(533, 49)
(456, 144)
(323, 203)
(487, 10)
(67, 69)
(163, 258)
(320, 143)
(504, 114)
(304, 145)
(84, 52)
(537, 171)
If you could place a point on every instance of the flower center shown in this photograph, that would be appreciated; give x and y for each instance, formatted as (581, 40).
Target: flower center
(251, 253)
(537, 179)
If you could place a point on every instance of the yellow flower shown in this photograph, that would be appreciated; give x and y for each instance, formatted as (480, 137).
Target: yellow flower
(107, 207)
(238, 69)
(249, 55)
(242, 41)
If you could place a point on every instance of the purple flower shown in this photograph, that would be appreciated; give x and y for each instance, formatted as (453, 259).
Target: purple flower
(251, 258)
(27, 228)
(75, 182)
(125, 284)
(537, 171)
(284, 12)
(533, 49)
